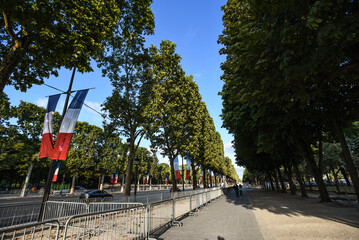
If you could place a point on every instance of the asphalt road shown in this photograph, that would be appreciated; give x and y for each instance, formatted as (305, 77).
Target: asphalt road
(31, 199)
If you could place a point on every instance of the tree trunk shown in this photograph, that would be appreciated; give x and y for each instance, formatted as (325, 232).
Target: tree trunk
(123, 182)
(276, 180)
(307, 153)
(215, 179)
(204, 177)
(102, 181)
(320, 150)
(284, 190)
(270, 181)
(310, 184)
(27, 180)
(73, 184)
(12, 59)
(329, 180)
(347, 158)
(299, 180)
(194, 176)
(128, 182)
(336, 179)
(288, 172)
(345, 176)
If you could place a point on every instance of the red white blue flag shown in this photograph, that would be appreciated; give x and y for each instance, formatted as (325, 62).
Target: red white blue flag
(116, 176)
(47, 143)
(68, 125)
(177, 168)
(54, 178)
(148, 177)
(188, 167)
(111, 177)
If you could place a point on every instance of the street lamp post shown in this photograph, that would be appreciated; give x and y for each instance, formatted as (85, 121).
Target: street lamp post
(136, 162)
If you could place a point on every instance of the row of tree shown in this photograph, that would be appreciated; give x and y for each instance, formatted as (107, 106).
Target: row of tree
(152, 97)
(94, 153)
(291, 84)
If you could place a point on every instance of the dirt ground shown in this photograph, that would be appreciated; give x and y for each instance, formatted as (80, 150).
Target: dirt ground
(282, 216)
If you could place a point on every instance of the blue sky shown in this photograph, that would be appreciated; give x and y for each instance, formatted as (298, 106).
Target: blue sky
(194, 25)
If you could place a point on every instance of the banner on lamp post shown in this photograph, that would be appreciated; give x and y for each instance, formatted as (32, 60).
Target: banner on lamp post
(177, 168)
(188, 167)
(47, 142)
(68, 125)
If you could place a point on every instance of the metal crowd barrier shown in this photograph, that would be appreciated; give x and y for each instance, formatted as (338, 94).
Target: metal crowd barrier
(64, 210)
(18, 214)
(134, 221)
(43, 230)
(131, 223)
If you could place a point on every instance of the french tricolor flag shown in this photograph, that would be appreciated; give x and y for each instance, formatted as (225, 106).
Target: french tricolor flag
(148, 177)
(68, 125)
(116, 176)
(177, 168)
(47, 143)
(188, 168)
(54, 178)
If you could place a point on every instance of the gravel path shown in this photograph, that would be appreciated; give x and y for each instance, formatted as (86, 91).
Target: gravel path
(282, 216)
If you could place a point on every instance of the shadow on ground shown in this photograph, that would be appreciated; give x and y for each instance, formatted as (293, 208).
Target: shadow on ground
(292, 206)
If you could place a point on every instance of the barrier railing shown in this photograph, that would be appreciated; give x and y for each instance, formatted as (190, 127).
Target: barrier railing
(133, 221)
(18, 214)
(43, 230)
(64, 210)
(121, 224)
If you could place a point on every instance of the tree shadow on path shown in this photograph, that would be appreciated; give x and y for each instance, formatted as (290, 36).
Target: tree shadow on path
(294, 206)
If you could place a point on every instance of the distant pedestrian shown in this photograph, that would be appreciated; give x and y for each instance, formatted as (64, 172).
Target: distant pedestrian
(235, 186)
(240, 190)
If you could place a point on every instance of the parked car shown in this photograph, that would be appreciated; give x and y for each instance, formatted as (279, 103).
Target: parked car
(95, 194)
(178, 190)
(80, 188)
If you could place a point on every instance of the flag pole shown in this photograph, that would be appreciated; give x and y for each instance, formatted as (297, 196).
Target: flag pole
(53, 163)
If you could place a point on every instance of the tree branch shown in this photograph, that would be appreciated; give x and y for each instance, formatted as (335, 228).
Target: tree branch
(8, 27)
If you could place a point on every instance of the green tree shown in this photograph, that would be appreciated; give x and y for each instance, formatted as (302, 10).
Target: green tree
(40, 37)
(171, 102)
(83, 159)
(125, 63)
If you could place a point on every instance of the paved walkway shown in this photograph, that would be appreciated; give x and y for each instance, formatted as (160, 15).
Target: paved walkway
(229, 217)
(268, 215)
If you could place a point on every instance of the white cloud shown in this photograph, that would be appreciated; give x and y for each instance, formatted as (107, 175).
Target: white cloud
(228, 148)
(41, 102)
(94, 105)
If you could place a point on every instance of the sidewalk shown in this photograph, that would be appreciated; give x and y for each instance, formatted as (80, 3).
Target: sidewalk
(268, 215)
(229, 217)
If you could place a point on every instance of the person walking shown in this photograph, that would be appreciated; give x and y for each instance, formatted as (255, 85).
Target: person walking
(235, 187)
(240, 190)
